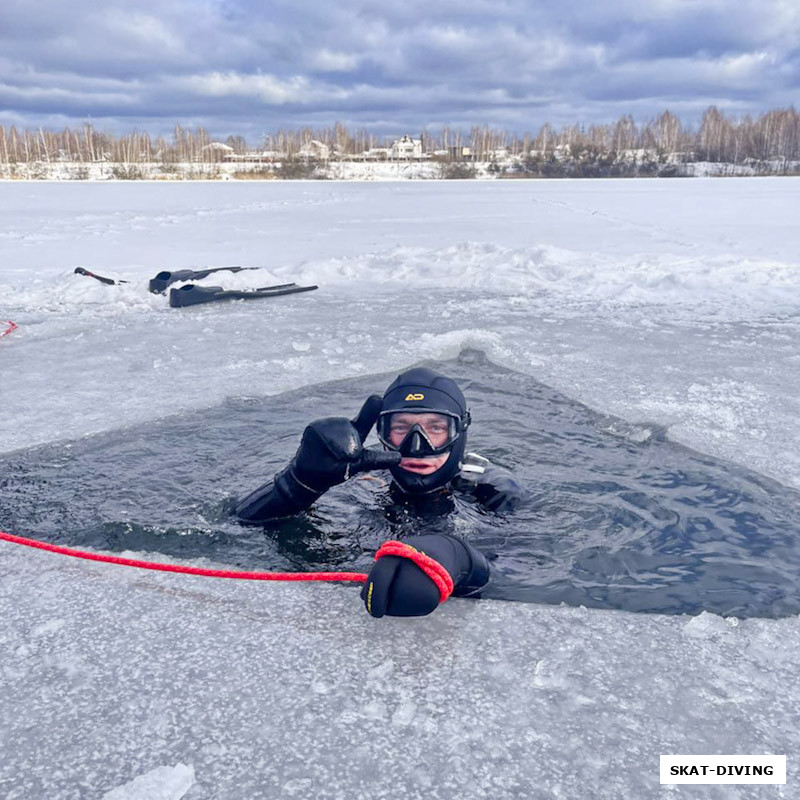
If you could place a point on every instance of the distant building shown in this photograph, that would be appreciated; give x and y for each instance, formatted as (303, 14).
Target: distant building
(255, 157)
(316, 150)
(460, 153)
(499, 154)
(216, 151)
(406, 148)
(377, 154)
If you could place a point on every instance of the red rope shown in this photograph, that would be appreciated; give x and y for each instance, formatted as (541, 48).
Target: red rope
(209, 573)
(12, 326)
(432, 568)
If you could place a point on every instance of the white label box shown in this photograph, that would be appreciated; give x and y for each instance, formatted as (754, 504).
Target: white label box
(723, 769)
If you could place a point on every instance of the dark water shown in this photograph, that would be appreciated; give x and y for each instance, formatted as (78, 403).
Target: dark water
(617, 517)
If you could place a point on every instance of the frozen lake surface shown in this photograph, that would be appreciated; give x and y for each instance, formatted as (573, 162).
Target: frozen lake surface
(670, 306)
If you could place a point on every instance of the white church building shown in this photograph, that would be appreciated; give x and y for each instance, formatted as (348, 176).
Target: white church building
(406, 148)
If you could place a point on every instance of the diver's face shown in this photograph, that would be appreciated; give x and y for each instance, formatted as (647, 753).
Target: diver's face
(436, 429)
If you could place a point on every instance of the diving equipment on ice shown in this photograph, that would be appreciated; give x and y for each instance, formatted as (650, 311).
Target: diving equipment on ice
(159, 284)
(101, 278)
(191, 294)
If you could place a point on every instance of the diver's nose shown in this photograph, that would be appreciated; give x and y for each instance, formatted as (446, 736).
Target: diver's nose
(416, 442)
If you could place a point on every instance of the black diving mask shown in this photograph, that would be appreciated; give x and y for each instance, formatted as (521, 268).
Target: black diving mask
(434, 433)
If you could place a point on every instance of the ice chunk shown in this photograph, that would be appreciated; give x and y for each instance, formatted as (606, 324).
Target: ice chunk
(161, 783)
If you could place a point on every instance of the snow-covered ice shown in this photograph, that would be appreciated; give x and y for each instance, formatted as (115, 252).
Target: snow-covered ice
(668, 301)
(671, 302)
(283, 691)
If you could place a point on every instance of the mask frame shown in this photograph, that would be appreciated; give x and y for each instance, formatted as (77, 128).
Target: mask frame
(416, 443)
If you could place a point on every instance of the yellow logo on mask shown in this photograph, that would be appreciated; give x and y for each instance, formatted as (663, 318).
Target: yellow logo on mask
(416, 396)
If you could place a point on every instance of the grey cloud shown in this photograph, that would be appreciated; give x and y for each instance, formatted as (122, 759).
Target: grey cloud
(510, 63)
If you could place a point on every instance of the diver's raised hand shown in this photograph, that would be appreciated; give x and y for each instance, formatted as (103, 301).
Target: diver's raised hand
(411, 578)
(332, 450)
(363, 423)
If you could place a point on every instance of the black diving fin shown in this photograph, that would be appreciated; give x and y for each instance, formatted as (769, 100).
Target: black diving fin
(192, 295)
(159, 284)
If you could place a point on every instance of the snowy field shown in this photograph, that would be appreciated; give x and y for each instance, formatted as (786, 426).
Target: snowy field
(675, 303)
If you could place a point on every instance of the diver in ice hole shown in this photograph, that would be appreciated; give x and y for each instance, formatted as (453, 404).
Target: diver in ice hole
(422, 422)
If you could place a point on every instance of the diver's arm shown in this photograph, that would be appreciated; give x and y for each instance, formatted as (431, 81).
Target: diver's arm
(283, 496)
(398, 587)
(330, 452)
(495, 488)
(499, 490)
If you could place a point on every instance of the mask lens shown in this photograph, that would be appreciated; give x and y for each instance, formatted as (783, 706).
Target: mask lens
(423, 433)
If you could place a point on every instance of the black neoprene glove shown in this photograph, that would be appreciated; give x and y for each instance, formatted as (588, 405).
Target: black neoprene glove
(398, 587)
(331, 451)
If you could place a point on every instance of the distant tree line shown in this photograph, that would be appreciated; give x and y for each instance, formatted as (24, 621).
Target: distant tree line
(773, 137)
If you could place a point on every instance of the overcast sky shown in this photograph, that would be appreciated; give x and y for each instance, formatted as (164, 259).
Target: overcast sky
(249, 67)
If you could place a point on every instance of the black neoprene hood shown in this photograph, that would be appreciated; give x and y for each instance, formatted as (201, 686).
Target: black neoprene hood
(421, 389)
